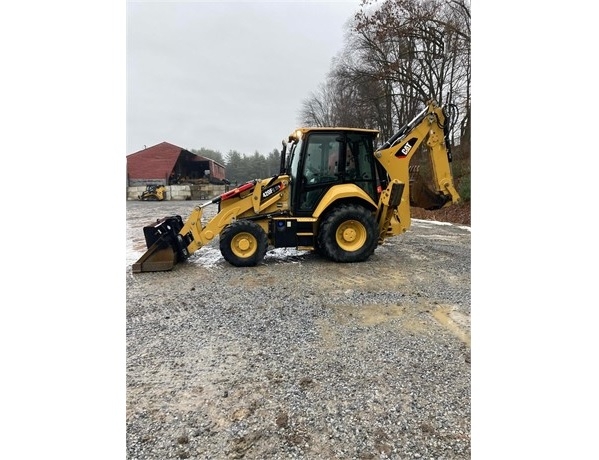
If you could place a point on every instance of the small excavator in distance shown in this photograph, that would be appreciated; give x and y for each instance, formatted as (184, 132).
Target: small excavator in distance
(335, 194)
(153, 193)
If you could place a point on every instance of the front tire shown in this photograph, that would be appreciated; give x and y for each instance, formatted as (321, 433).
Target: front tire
(243, 243)
(348, 234)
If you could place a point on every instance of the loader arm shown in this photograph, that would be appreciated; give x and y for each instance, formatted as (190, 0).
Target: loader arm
(170, 240)
(395, 155)
(252, 200)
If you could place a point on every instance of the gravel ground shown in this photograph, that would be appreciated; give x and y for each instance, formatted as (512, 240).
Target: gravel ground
(300, 357)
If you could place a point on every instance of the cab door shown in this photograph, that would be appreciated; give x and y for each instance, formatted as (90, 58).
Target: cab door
(319, 170)
(329, 158)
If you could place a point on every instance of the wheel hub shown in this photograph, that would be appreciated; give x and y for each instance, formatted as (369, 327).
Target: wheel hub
(243, 244)
(349, 235)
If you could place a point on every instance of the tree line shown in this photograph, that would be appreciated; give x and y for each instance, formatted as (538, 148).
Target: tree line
(242, 168)
(397, 55)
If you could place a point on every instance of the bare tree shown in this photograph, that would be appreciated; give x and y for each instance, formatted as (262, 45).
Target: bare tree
(318, 109)
(398, 54)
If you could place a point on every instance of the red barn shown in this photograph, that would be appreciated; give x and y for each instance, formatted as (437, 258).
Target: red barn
(167, 164)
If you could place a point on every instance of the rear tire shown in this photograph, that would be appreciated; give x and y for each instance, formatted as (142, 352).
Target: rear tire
(348, 234)
(243, 243)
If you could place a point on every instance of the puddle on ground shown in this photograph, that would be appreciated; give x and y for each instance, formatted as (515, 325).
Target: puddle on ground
(413, 319)
(454, 321)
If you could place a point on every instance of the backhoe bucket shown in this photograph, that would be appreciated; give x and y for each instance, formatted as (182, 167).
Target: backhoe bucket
(422, 195)
(162, 242)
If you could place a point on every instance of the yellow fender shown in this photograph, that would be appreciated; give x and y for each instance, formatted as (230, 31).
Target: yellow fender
(339, 192)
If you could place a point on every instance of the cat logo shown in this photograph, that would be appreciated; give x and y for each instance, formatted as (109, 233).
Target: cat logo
(403, 152)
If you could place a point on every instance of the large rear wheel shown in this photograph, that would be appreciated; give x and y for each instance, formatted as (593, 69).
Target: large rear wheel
(348, 234)
(243, 243)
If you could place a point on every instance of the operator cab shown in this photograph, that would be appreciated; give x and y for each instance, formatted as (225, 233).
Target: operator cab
(321, 158)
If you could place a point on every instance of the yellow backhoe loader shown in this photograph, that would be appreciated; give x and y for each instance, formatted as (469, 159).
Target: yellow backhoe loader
(335, 194)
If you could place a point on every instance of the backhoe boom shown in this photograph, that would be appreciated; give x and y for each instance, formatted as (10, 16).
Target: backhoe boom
(395, 155)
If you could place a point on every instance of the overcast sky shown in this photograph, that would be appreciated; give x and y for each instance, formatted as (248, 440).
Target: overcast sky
(226, 75)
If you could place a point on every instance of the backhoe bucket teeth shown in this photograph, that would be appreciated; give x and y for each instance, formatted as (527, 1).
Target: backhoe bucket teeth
(157, 258)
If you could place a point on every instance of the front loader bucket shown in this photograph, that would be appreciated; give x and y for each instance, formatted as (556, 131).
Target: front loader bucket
(162, 241)
(156, 259)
